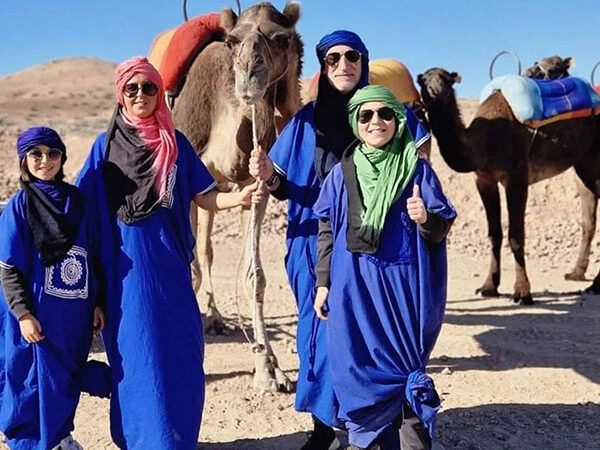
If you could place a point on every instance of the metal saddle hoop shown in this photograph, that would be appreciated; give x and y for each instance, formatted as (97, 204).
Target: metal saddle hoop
(593, 73)
(505, 52)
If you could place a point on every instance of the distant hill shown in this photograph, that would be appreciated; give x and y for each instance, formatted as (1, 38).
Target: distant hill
(75, 96)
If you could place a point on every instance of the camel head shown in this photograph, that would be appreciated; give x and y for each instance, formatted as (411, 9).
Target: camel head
(437, 84)
(550, 68)
(259, 41)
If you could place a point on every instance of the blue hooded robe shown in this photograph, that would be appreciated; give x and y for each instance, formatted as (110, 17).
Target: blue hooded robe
(40, 383)
(293, 156)
(385, 311)
(153, 336)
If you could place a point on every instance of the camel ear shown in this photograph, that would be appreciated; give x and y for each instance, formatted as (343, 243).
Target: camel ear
(227, 20)
(420, 79)
(456, 77)
(292, 12)
(569, 62)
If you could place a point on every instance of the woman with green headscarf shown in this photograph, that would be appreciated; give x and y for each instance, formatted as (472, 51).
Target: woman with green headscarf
(382, 271)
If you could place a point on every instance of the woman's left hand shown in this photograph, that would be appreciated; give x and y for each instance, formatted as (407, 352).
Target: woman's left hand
(415, 207)
(98, 320)
(247, 192)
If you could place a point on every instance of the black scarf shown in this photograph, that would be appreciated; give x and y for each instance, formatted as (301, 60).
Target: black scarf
(54, 222)
(334, 133)
(357, 242)
(128, 173)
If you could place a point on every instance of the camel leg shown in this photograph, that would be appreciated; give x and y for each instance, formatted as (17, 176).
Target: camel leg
(588, 170)
(267, 376)
(589, 202)
(488, 191)
(516, 201)
(213, 321)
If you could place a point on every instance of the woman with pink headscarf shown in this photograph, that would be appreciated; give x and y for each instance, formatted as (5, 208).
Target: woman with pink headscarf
(141, 176)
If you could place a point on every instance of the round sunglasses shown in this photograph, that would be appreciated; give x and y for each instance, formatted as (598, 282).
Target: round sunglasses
(148, 88)
(333, 58)
(385, 113)
(53, 154)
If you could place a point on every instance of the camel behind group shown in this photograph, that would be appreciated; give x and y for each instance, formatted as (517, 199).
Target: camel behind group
(500, 149)
(258, 63)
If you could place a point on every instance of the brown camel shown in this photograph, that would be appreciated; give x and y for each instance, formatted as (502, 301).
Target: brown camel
(553, 68)
(500, 149)
(258, 63)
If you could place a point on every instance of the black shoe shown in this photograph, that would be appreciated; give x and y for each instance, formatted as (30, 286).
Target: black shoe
(321, 438)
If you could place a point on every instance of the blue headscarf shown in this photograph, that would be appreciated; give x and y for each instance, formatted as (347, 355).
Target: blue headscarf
(344, 37)
(39, 135)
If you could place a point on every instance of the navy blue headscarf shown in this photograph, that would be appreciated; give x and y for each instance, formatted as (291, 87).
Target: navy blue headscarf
(54, 208)
(334, 133)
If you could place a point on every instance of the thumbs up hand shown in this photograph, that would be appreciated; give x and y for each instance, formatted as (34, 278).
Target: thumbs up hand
(415, 207)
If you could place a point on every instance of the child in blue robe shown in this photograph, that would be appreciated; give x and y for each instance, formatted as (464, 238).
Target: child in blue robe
(50, 299)
(382, 270)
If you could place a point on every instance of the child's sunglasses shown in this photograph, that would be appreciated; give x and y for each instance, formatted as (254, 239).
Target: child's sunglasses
(334, 57)
(53, 154)
(148, 88)
(385, 113)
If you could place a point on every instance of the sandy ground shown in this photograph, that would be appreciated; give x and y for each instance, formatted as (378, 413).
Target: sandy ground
(510, 377)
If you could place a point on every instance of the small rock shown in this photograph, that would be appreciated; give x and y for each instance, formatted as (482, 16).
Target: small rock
(444, 358)
(447, 371)
(553, 417)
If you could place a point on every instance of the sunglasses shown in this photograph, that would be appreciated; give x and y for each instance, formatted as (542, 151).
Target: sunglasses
(148, 88)
(53, 154)
(334, 57)
(385, 113)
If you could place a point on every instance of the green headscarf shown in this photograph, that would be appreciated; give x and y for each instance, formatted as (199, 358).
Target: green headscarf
(382, 173)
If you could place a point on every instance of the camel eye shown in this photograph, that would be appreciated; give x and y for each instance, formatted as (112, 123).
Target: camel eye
(231, 41)
(282, 40)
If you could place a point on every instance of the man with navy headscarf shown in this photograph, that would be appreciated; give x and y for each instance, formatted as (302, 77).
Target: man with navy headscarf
(307, 149)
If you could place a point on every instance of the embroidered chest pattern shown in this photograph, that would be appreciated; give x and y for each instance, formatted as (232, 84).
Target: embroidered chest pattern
(69, 277)
(171, 178)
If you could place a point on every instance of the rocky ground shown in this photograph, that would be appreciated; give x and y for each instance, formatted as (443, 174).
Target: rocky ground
(510, 377)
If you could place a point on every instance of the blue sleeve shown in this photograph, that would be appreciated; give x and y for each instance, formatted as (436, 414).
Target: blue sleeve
(282, 151)
(324, 204)
(87, 180)
(431, 191)
(199, 179)
(14, 234)
(417, 130)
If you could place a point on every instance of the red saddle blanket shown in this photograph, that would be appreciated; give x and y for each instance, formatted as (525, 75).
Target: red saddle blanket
(174, 50)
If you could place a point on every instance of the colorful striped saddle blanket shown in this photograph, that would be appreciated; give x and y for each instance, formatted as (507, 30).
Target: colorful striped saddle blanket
(540, 102)
(173, 51)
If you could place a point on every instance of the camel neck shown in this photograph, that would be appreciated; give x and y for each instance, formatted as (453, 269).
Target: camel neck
(451, 134)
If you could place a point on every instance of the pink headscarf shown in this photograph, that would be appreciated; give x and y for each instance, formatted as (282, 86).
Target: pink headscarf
(157, 131)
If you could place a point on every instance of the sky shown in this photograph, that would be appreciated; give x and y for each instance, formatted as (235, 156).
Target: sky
(458, 35)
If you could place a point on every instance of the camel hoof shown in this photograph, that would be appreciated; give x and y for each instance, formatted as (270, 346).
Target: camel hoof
(284, 384)
(487, 291)
(523, 300)
(214, 325)
(575, 275)
(268, 376)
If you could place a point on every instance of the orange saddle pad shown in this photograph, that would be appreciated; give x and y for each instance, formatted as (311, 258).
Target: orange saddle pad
(387, 72)
(173, 51)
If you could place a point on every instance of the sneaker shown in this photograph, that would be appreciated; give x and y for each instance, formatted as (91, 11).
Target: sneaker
(68, 443)
(322, 438)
